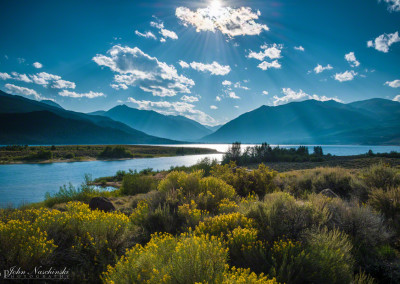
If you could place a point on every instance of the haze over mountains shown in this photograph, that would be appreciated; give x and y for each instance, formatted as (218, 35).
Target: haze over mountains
(369, 122)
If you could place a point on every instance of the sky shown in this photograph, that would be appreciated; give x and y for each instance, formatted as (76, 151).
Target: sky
(207, 60)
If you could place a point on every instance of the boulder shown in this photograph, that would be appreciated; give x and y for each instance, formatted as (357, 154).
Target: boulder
(101, 203)
(329, 193)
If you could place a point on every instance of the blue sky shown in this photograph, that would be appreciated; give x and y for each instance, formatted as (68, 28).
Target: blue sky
(208, 60)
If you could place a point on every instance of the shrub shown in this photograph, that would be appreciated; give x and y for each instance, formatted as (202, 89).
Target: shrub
(381, 176)
(259, 181)
(191, 214)
(246, 276)
(133, 184)
(388, 203)
(339, 180)
(281, 215)
(223, 224)
(165, 259)
(116, 152)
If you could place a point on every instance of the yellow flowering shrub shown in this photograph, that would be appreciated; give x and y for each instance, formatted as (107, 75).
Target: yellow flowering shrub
(191, 214)
(140, 213)
(24, 244)
(168, 259)
(223, 224)
(246, 276)
(226, 206)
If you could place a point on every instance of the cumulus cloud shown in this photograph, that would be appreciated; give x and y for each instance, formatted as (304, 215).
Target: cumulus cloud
(218, 98)
(136, 68)
(393, 5)
(226, 83)
(384, 41)
(37, 65)
(272, 51)
(214, 68)
(63, 84)
(299, 48)
(5, 76)
(229, 21)
(21, 77)
(44, 78)
(164, 32)
(351, 58)
(397, 98)
(238, 85)
(268, 65)
(345, 76)
(393, 84)
(90, 95)
(265, 93)
(293, 96)
(189, 99)
(213, 107)
(233, 95)
(175, 108)
(183, 64)
(13, 89)
(320, 68)
(146, 34)
(119, 86)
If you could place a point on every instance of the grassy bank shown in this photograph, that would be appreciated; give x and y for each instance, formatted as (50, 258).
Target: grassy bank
(71, 153)
(216, 223)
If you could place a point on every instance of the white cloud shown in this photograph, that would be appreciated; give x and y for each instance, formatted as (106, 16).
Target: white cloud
(351, 58)
(119, 87)
(218, 98)
(299, 48)
(397, 98)
(44, 78)
(183, 64)
(265, 93)
(267, 65)
(214, 68)
(189, 99)
(384, 41)
(164, 32)
(393, 84)
(13, 89)
(226, 83)
(136, 68)
(345, 76)
(5, 76)
(146, 34)
(233, 95)
(173, 108)
(293, 96)
(21, 60)
(236, 106)
(320, 68)
(63, 84)
(229, 21)
(21, 77)
(213, 107)
(239, 86)
(90, 95)
(37, 65)
(272, 51)
(393, 5)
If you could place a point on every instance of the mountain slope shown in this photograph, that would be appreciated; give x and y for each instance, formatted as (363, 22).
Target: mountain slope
(51, 103)
(26, 112)
(154, 123)
(311, 122)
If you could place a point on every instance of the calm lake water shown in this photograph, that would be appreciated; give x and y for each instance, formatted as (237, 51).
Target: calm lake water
(29, 182)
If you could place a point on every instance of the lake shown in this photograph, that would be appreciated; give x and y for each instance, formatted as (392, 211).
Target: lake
(29, 182)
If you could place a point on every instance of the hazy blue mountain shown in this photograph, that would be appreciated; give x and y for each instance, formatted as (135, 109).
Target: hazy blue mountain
(99, 112)
(309, 122)
(25, 121)
(51, 103)
(213, 128)
(154, 123)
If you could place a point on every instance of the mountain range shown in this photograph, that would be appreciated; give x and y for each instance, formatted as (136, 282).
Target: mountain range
(369, 122)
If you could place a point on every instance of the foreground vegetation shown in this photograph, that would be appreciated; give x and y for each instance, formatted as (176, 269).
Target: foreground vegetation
(34, 154)
(214, 223)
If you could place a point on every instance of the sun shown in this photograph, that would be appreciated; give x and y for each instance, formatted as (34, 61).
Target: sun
(215, 8)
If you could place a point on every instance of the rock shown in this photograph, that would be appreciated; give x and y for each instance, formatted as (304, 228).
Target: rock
(101, 203)
(329, 193)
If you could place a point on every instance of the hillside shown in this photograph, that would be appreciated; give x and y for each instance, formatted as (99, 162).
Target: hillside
(25, 121)
(157, 124)
(315, 122)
